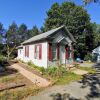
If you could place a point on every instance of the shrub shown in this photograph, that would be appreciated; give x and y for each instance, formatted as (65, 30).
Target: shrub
(50, 71)
(3, 60)
(88, 57)
(56, 71)
(29, 63)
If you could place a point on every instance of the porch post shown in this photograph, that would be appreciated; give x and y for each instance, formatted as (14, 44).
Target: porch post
(71, 52)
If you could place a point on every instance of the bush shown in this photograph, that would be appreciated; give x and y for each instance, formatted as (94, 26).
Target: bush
(88, 57)
(50, 71)
(3, 60)
(56, 71)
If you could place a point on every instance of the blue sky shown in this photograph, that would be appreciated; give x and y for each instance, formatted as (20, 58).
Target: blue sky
(33, 12)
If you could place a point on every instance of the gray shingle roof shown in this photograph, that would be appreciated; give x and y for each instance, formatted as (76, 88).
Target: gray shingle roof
(45, 35)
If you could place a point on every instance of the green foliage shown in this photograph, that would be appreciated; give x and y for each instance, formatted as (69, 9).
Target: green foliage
(67, 78)
(56, 71)
(88, 57)
(50, 71)
(34, 31)
(77, 21)
(22, 33)
(3, 60)
(89, 69)
(16, 35)
(58, 75)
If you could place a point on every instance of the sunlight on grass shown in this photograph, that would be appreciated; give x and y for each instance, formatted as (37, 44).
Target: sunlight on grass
(66, 79)
(89, 69)
(11, 78)
(19, 94)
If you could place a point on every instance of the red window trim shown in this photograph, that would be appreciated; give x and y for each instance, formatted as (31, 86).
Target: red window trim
(67, 52)
(40, 51)
(26, 51)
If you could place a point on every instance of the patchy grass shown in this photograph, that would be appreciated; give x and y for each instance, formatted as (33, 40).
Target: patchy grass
(19, 94)
(66, 79)
(89, 69)
(14, 78)
(58, 75)
(39, 69)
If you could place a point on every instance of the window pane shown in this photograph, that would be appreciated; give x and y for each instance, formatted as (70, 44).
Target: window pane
(54, 52)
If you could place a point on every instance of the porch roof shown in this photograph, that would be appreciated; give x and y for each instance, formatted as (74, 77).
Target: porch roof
(47, 34)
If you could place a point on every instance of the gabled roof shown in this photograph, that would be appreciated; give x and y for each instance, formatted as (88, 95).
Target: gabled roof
(21, 46)
(96, 50)
(46, 34)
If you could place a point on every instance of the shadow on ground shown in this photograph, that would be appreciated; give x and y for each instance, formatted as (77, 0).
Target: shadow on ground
(64, 96)
(91, 80)
(8, 71)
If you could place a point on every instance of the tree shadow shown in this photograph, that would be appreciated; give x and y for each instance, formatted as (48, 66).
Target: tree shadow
(93, 82)
(97, 66)
(65, 96)
(8, 71)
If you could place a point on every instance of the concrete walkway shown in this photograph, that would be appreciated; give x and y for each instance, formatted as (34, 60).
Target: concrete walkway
(37, 80)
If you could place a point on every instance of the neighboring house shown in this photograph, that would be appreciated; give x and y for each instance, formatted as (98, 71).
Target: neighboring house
(96, 54)
(51, 48)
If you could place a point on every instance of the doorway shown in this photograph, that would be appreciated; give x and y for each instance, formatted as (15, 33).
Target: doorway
(62, 54)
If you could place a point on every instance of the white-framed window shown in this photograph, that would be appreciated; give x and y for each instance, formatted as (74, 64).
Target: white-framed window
(54, 52)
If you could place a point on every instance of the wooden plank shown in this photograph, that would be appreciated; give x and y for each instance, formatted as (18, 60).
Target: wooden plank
(12, 86)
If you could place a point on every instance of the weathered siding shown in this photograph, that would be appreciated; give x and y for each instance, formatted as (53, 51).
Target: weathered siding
(39, 62)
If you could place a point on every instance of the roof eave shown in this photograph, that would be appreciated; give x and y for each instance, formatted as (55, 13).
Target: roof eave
(71, 36)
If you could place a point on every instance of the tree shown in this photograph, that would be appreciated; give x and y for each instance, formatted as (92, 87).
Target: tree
(34, 31)
(1, 33)
(11, 39)
(42, 29)
(89, 1)
(96, 29)
(22, 33)
(77, 21)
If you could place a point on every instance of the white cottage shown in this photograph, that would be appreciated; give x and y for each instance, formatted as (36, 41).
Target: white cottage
(96, 54)
(48, 49)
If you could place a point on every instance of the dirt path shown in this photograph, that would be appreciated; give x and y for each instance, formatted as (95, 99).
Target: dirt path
(41, 82)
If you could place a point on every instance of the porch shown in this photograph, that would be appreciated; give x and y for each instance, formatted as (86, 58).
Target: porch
(60, 52)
